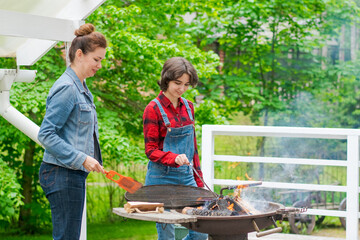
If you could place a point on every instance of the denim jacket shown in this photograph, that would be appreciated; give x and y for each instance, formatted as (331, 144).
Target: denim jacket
(67, 131)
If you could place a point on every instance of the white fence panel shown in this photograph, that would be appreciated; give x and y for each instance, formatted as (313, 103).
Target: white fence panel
(352, 164)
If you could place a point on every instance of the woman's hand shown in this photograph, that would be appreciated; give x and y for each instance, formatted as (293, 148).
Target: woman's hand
(182, 160)
(92, 165)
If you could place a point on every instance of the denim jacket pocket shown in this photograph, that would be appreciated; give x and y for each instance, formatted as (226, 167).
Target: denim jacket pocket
(85, 113)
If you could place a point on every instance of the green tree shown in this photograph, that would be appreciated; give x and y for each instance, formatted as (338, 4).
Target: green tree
(122, 88)
(333, 99)
(139, 46)
(269, 54)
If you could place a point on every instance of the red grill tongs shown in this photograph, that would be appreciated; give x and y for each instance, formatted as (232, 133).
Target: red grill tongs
(124, 182)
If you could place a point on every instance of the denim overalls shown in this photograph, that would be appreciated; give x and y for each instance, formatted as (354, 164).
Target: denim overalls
(180, 141)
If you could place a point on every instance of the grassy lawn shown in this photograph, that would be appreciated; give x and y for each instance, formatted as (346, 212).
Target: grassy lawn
(119, 230)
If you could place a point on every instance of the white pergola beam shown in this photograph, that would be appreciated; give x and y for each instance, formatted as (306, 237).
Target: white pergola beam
(43, 32)
(79, 9)
(33, 49)
(18, 24)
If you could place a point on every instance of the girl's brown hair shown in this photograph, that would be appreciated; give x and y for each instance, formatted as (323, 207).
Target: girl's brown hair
(87, 40)
(173, 69)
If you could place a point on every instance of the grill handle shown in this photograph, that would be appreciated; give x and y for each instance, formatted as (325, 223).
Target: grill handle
(289, 210)
(267, 232)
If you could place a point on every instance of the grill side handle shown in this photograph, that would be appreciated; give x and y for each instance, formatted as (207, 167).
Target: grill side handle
(289, 210)
(267, 232)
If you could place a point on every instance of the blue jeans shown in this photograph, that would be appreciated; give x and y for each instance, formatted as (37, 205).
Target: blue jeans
(65, 190)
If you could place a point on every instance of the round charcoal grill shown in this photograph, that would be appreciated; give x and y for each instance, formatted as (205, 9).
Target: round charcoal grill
(237, 227)
(218, 227)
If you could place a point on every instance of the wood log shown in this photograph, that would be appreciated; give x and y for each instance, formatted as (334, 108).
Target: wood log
(207, 212)
(144, 207)
(246, 207)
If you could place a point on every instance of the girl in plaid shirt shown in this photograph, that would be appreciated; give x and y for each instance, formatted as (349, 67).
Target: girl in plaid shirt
(170, 142)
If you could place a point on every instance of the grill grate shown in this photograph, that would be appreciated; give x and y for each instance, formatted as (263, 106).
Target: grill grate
(173, 196)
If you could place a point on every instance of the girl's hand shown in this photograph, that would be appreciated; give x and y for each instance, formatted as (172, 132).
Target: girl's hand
(92, 165)
(181, 159)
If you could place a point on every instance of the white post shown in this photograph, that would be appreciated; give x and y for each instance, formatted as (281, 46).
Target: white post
(83, 222)
(352, 196)
(207, 163)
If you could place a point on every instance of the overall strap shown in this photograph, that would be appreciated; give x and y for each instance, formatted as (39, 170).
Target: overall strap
(188, 108)
(163, 114)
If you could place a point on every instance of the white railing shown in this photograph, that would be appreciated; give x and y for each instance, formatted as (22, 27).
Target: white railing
(351, 164)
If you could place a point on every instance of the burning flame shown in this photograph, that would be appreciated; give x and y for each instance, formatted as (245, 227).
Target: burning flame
(247, 176)
(231, 207)
(237, 192)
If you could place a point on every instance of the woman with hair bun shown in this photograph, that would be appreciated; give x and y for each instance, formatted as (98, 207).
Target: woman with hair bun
(69, 133)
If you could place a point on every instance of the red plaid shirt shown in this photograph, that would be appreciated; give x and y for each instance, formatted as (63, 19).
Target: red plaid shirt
(155, 132)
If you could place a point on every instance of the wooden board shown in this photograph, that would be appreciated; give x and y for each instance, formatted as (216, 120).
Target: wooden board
(166, 217)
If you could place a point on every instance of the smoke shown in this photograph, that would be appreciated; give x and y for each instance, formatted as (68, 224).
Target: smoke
(305, 111)
(257, 198)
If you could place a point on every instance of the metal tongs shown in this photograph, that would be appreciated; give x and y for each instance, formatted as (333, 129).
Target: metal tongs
(245, 185)
(202, 180)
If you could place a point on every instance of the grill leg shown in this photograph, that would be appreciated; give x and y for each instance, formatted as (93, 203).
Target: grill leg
(228, 237)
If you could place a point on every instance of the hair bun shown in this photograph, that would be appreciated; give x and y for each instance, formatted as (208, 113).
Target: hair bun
(84, 30)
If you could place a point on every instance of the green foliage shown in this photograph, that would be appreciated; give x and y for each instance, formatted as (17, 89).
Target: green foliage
(127, 82)
(334, 102)
(257, 38)
(268, 49)
(339, 97)
(138, 47)
(30, 99)
(10, 196)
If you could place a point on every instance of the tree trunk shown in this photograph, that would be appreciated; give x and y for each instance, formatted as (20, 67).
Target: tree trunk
(353, 48)
(222, 60)
(357, 39)
(262, 148)
(27, 192)
(324, 53)
(273, 61)
(342, 44)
